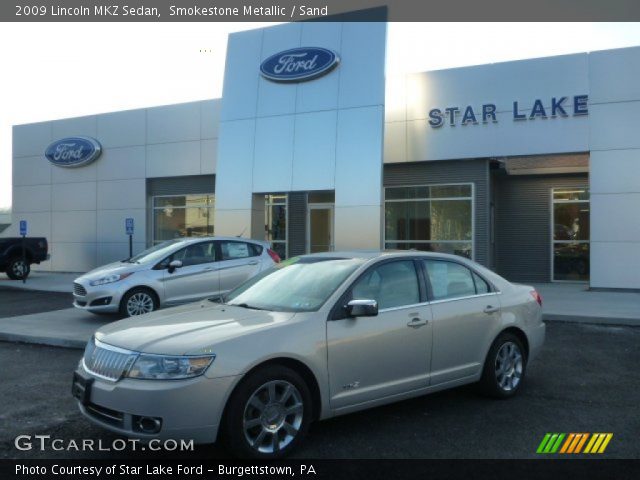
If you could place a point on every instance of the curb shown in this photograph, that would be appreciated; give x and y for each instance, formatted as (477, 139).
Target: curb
(606, 321)
(50, 341)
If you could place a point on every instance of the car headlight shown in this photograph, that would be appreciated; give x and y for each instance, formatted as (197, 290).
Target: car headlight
(116, 277)
(165, 367)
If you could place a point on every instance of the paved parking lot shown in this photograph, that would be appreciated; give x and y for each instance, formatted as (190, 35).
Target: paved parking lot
(586, 380)
(14, 301)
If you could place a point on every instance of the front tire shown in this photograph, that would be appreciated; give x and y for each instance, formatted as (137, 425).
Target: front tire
(138, 301)
(505, 367)
(268, 414)
(18, 269)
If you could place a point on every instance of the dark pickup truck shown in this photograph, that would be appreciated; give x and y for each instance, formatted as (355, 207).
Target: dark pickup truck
(11, 261)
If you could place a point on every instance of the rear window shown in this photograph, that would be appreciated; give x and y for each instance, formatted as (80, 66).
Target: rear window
(232, 250)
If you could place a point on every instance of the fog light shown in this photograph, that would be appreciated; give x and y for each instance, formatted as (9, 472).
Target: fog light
(101, 301)
(147, 424)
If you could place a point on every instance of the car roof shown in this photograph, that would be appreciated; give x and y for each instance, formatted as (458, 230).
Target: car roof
(371, 254)
(189, 240)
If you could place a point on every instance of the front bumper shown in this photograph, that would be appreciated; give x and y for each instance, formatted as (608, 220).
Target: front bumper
(189, 409)
(93, 298)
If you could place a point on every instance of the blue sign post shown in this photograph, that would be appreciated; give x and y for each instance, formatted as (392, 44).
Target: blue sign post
(128, 226)
(23, 234)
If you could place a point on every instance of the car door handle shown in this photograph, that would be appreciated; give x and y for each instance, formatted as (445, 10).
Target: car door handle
(416, 323)
(489, 309)
(254, 262)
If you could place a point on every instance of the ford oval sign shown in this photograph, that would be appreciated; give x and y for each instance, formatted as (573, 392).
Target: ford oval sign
(299, 64)
(73, 151)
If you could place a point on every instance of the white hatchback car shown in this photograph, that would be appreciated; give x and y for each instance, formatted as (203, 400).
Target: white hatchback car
(312, 338)
(170, 273)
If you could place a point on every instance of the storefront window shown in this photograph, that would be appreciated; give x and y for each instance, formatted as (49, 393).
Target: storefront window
(571, 214)
(275, 223)
(178, 216)
(436, 218)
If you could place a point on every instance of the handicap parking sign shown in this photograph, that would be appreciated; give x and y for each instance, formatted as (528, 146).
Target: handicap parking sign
(23, 227)
(128, 223)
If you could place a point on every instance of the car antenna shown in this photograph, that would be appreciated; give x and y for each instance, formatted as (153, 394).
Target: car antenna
(241, 233)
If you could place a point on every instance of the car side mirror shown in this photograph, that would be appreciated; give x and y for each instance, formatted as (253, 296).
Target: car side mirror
(173, 265)
(362, 308)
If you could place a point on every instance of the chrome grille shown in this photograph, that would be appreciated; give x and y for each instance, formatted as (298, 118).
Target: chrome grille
(79, 290)
(106, 361)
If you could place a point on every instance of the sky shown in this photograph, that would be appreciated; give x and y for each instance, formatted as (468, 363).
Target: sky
(60, 70)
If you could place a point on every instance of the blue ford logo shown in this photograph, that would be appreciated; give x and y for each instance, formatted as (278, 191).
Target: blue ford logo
(299, 64)
(73, 151)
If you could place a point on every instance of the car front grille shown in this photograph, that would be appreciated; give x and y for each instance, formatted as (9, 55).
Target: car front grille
(106, 361)
(79, 290)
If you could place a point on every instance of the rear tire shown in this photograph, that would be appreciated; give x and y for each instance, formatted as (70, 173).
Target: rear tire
(138, 301)
(268, 414)
(17, 269)
(504, 368)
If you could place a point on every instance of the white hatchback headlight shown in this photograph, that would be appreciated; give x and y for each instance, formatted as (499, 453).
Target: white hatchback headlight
(116, 277)
(165, 367)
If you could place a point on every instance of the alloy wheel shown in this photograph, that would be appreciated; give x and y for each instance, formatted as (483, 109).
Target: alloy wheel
(19, 268)
(139, 303)
(509, 366)
(273, 416)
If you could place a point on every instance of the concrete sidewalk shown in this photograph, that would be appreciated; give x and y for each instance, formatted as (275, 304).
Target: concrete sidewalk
(71, 327)
(61, 328)
(574, 302)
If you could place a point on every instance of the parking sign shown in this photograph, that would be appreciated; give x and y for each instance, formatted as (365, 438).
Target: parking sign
(128, 224)
(23, 227)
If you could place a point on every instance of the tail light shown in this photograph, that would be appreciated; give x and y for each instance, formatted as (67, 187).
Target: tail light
(274, 256)
(537, 297)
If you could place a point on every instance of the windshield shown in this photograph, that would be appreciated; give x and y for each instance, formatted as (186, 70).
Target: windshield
(295, 285)
(155, 253)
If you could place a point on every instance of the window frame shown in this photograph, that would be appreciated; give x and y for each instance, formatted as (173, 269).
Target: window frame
(154, 240)
(472, 198)
(218, 247)
(169, 258)
(338, 312)
(553, 242)
(268, 203)
(492, 289)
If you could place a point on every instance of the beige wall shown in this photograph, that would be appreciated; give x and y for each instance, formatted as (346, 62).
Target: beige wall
(81, 210)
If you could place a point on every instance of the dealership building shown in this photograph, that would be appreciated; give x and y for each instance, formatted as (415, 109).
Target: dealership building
(530, 167)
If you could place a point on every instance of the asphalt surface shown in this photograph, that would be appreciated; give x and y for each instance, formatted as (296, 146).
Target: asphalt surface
(14, 301)
(586, 380)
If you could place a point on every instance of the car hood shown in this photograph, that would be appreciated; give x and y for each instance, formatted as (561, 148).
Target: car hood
(190, 329)
(110, 269)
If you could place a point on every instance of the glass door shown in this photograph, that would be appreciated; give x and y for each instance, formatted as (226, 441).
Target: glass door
(570, 234)
(320, 228)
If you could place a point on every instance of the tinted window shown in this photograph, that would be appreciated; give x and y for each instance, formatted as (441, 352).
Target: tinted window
(481, 285)
(234, 250)
(391, 284)
(196, 254)
(449, 280)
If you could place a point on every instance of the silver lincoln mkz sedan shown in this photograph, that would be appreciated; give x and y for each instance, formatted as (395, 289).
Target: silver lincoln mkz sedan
(312, 338)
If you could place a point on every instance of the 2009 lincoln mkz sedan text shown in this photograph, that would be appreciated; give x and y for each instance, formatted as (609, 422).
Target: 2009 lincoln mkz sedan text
(311, 338)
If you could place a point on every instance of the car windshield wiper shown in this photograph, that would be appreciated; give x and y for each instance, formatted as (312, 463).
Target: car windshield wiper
(245, 305)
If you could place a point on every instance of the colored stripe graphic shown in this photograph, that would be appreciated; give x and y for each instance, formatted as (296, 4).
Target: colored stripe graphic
(598, 443)
(574, 443)
(581, 442)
